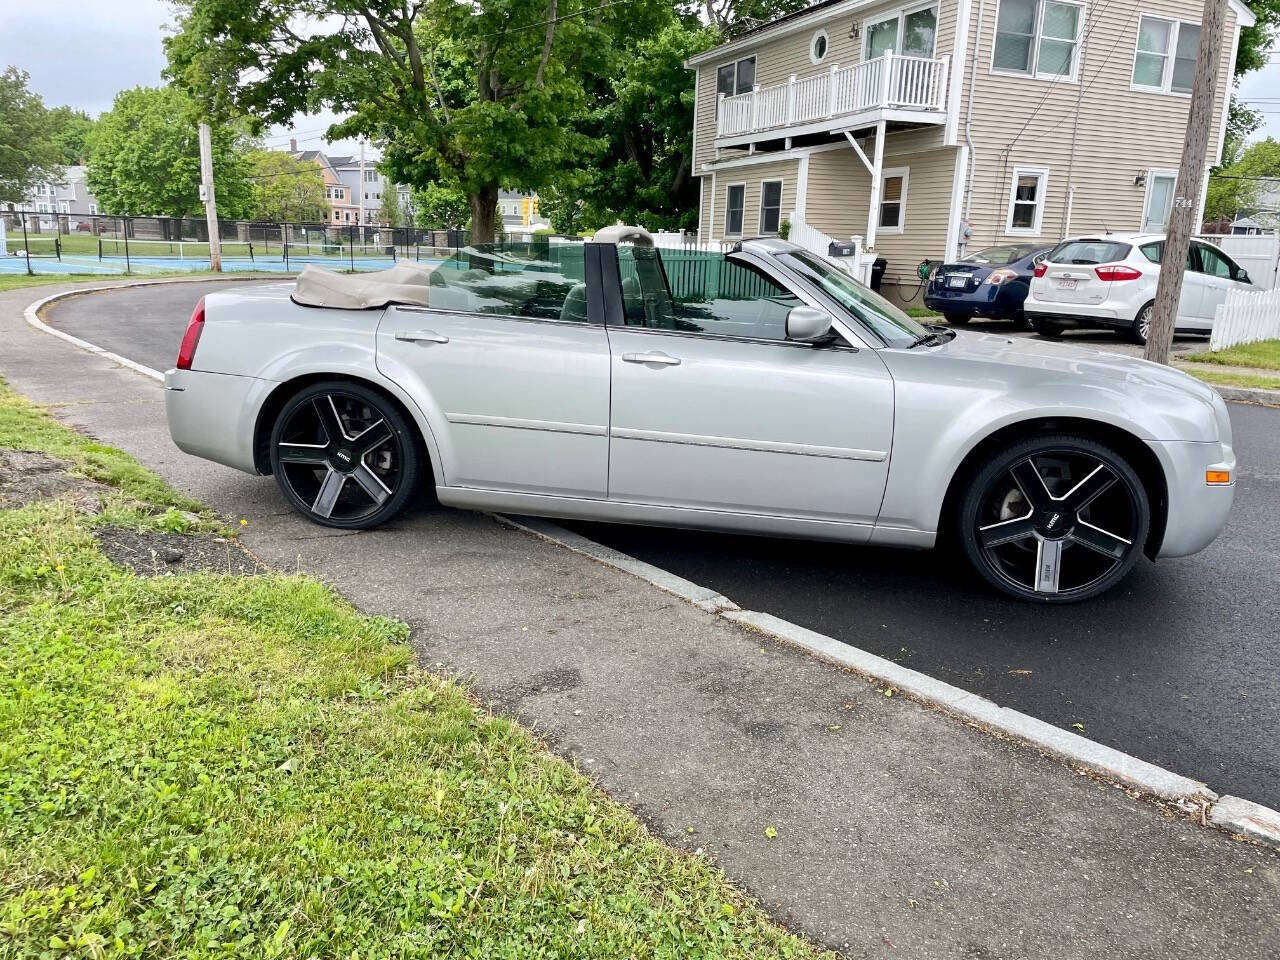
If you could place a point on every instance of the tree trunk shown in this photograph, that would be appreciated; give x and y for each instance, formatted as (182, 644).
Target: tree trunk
(484, 213)
(1186, 201)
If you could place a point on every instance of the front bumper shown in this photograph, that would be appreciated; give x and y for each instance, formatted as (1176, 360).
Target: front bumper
(214, 415)
(1197, 510)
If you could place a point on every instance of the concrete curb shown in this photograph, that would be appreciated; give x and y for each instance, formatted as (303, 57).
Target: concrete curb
(1268, 398)
(1234, 814)
(32, 316)
(1238, 816)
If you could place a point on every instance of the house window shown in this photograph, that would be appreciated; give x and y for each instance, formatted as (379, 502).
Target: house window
(770, 206)
(734, 203)
(93, 209)
(370, 176)
(1026, 200)
(1159, 202)
(737, 77)
(910, 32)
(893, 200)
(818, 47)
(1165, 59)
(1038, 37)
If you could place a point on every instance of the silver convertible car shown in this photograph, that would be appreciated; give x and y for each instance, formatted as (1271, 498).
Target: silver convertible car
(760, 390)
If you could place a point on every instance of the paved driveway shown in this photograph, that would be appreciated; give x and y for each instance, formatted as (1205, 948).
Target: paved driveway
(1180, 666)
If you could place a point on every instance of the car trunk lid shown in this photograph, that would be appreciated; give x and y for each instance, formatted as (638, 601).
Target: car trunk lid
(1069, 275)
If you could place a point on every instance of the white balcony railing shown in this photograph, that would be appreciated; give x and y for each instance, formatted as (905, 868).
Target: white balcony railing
(891, 81)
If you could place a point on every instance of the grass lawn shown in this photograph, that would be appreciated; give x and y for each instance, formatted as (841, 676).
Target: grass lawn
(923, 313)
(1264, 355)
(211, 765)
(1232, 379)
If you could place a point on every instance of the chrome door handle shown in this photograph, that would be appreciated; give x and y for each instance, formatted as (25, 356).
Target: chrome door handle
(421, 336)
(659, 358)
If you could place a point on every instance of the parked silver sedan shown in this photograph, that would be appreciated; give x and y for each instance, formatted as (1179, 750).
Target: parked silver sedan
(760, 391)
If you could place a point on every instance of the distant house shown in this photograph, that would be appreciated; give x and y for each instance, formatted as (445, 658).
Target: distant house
(519, 212)
(342, 207)
(69, 195)
(928, 128)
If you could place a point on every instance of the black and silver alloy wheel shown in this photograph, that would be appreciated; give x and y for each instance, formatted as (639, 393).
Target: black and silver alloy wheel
(1141, 328)
(344, 456)
(1055, 520)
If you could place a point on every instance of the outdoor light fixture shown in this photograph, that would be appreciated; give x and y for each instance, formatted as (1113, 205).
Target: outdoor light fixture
(1140, 180)
(854, 30)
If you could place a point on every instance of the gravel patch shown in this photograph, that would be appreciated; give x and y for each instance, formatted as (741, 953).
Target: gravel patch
(167, 554)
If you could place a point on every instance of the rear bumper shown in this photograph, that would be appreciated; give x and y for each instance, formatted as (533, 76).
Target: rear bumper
(1197, 511)
(986, 301)
(213, 415)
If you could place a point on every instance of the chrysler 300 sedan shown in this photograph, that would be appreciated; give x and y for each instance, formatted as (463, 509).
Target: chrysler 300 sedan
(761, 390)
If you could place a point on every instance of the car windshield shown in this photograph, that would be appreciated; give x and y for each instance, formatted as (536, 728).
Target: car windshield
(884, 319)
(999, 256)
(1089, 251)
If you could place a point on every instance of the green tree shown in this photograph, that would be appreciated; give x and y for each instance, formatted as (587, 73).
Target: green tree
(390, 212)
(440, 206)
(28, 155)
(1239, 186)
(641, 133)
(480, 90)
(144, 158)
(286, 190)
(70, 130)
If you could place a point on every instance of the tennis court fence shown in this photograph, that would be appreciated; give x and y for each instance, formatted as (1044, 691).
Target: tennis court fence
(37, 241)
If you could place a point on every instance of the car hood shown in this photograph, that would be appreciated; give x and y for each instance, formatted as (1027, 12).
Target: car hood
(1059, 358)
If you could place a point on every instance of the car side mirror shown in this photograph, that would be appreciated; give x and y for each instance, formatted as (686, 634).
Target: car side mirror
(1243, 276)
(808, 324)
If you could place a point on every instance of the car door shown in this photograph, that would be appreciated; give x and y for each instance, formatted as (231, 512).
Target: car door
(714, 409)
(1218, 273)
(1191, 298)
(511, 370)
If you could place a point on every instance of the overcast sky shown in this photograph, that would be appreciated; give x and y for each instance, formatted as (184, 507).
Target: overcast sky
(82, 52)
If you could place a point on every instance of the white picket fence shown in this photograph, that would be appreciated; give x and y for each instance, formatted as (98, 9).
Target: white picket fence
(819, 243)
(1246, 317)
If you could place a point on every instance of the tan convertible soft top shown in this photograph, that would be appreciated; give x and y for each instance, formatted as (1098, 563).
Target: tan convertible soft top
(403, 283)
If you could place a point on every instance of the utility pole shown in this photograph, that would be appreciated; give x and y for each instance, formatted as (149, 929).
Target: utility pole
(210, 203)
(1177, 241)
(362, 188)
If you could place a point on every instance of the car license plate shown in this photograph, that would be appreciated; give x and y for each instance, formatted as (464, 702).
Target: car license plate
(960, 281)
(1067, 284)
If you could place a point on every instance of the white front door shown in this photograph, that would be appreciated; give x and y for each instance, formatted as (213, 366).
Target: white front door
(1160, 187)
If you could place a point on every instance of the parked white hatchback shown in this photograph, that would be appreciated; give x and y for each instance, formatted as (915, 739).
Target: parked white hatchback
(1110, 281)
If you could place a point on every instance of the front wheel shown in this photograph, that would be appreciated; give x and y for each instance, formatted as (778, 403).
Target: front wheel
(1054, 519)
(344, 456)
(1047, 329)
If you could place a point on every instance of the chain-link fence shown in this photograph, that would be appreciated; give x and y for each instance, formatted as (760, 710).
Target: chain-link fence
(37, 241)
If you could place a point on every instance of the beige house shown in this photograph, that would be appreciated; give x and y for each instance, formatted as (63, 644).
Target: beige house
(926, 128)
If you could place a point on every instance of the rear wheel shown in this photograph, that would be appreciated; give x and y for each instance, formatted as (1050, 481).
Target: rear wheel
(1020, 321)
(1141, 328)
(1047, 329)
(1054, 519)
(344, 456)
(957, 319)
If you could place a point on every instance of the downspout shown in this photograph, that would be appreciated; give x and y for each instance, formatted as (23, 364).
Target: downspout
(968, 112)
(1069, 199)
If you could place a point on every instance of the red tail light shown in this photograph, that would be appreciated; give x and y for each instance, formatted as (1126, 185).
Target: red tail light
(1041, 267)
(190, 339)
(1116, 271)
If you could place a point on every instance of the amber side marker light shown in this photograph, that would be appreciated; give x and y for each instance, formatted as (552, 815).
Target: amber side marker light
(1217, 477)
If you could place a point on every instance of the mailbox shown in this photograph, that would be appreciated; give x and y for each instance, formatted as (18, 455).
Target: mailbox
(838, 249)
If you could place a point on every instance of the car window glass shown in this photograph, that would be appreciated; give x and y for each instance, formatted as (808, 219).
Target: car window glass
(1089, 251)
(1152, 251)
(1214, 262)
(889, 323)
(701, 292)
(540, 280)
(1000, 256)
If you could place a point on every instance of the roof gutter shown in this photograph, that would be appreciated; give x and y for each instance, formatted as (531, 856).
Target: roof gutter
(766, 33)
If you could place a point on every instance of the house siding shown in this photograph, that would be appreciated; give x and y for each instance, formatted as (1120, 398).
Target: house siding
(840, 188)
(1020, 121)
(751, 176)
(778, 58)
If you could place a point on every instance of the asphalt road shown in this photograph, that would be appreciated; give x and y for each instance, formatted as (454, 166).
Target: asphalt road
(1180, 665)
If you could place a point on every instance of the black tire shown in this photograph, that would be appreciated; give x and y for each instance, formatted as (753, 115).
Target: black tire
(1020, 321)
(1054, 519)
(957, 319)
(1047, 329)
(1141, 324)
(345, 456)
